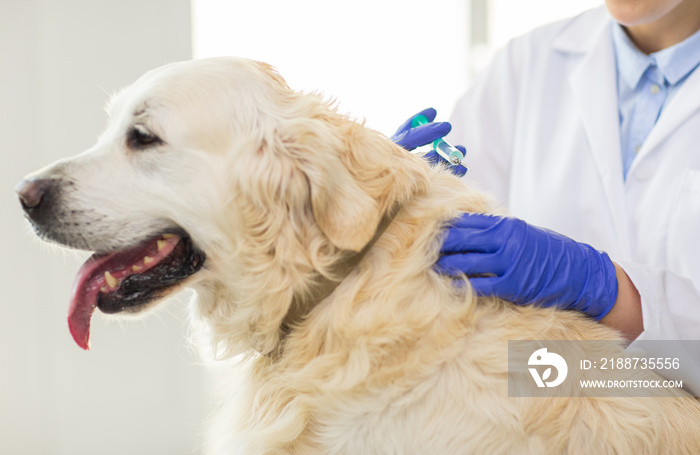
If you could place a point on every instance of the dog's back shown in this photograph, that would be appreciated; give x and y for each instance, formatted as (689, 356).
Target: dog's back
(400, 360)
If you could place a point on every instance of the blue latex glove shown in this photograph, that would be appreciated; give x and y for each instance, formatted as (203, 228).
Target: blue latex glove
(434, 159)
(524, 264)
(412, 138)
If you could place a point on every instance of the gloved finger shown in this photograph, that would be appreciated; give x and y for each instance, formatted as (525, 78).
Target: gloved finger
(472, 264)
(475, 221)
(422, 135)
(434, 159)
(428, 113)
(466, 240)
(458, 170)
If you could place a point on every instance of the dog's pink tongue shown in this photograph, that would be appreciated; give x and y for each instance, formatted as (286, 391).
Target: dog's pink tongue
(83, 302)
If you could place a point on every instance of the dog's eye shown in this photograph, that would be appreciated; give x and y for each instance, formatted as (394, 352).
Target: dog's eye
(139, 138)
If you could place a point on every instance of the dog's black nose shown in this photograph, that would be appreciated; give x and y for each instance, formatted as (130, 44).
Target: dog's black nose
(31, 193)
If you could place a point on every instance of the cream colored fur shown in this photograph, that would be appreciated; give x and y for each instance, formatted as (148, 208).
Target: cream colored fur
(276, 187)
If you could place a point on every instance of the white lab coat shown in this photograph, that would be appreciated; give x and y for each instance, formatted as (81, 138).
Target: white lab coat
(541, 128)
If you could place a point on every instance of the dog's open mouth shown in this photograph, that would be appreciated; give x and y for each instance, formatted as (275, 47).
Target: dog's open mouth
(129, 279)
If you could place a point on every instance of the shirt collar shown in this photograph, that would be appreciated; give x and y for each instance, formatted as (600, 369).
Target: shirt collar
(675, 63)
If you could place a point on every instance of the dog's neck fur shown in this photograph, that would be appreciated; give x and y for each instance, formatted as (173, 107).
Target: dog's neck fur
(391, 313)
(302, 304)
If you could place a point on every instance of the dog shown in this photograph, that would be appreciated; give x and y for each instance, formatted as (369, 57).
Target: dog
(309, 241)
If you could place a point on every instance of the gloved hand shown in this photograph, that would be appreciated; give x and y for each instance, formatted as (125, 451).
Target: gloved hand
(411, 138)
(434, 159)
(524, 264)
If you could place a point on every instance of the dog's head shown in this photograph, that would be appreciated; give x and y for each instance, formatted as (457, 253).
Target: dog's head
(214, 174)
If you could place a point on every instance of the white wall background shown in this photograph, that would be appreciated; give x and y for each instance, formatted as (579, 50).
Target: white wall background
(514, 17)
(384, 60)
(140, 390)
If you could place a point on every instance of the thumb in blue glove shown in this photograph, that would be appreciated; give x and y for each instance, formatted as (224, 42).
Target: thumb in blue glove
(524, 264)
(411, 138)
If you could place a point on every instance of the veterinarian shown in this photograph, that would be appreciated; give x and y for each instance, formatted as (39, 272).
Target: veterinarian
(588, 127)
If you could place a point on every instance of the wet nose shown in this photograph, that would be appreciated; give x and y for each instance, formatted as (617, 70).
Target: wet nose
(31, 192)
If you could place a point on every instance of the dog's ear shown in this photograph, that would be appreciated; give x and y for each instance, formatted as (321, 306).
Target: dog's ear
(354, 175)
(345, 213)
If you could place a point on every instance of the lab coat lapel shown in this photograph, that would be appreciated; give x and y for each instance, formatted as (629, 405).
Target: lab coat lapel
(594, 87)
(679, 109)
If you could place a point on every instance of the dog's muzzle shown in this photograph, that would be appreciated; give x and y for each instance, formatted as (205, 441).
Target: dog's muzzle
(127, 278)
(37, 197)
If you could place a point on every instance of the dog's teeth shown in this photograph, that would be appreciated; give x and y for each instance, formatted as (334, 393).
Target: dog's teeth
(168, 236)
(136, 268)
(104, 289)
(161, 244)
(147, 260)
(111, 281)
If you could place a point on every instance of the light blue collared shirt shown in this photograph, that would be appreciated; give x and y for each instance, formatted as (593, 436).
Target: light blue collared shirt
(645, 84)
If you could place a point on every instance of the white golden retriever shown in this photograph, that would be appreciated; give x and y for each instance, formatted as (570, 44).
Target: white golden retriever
(310, 242)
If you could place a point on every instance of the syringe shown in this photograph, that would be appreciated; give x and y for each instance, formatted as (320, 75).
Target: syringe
(442, 147)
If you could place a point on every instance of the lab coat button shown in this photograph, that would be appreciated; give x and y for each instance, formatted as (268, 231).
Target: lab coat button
(655, 89)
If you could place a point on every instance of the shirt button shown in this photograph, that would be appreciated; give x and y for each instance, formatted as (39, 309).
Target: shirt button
(637, 148)
(655, 89)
